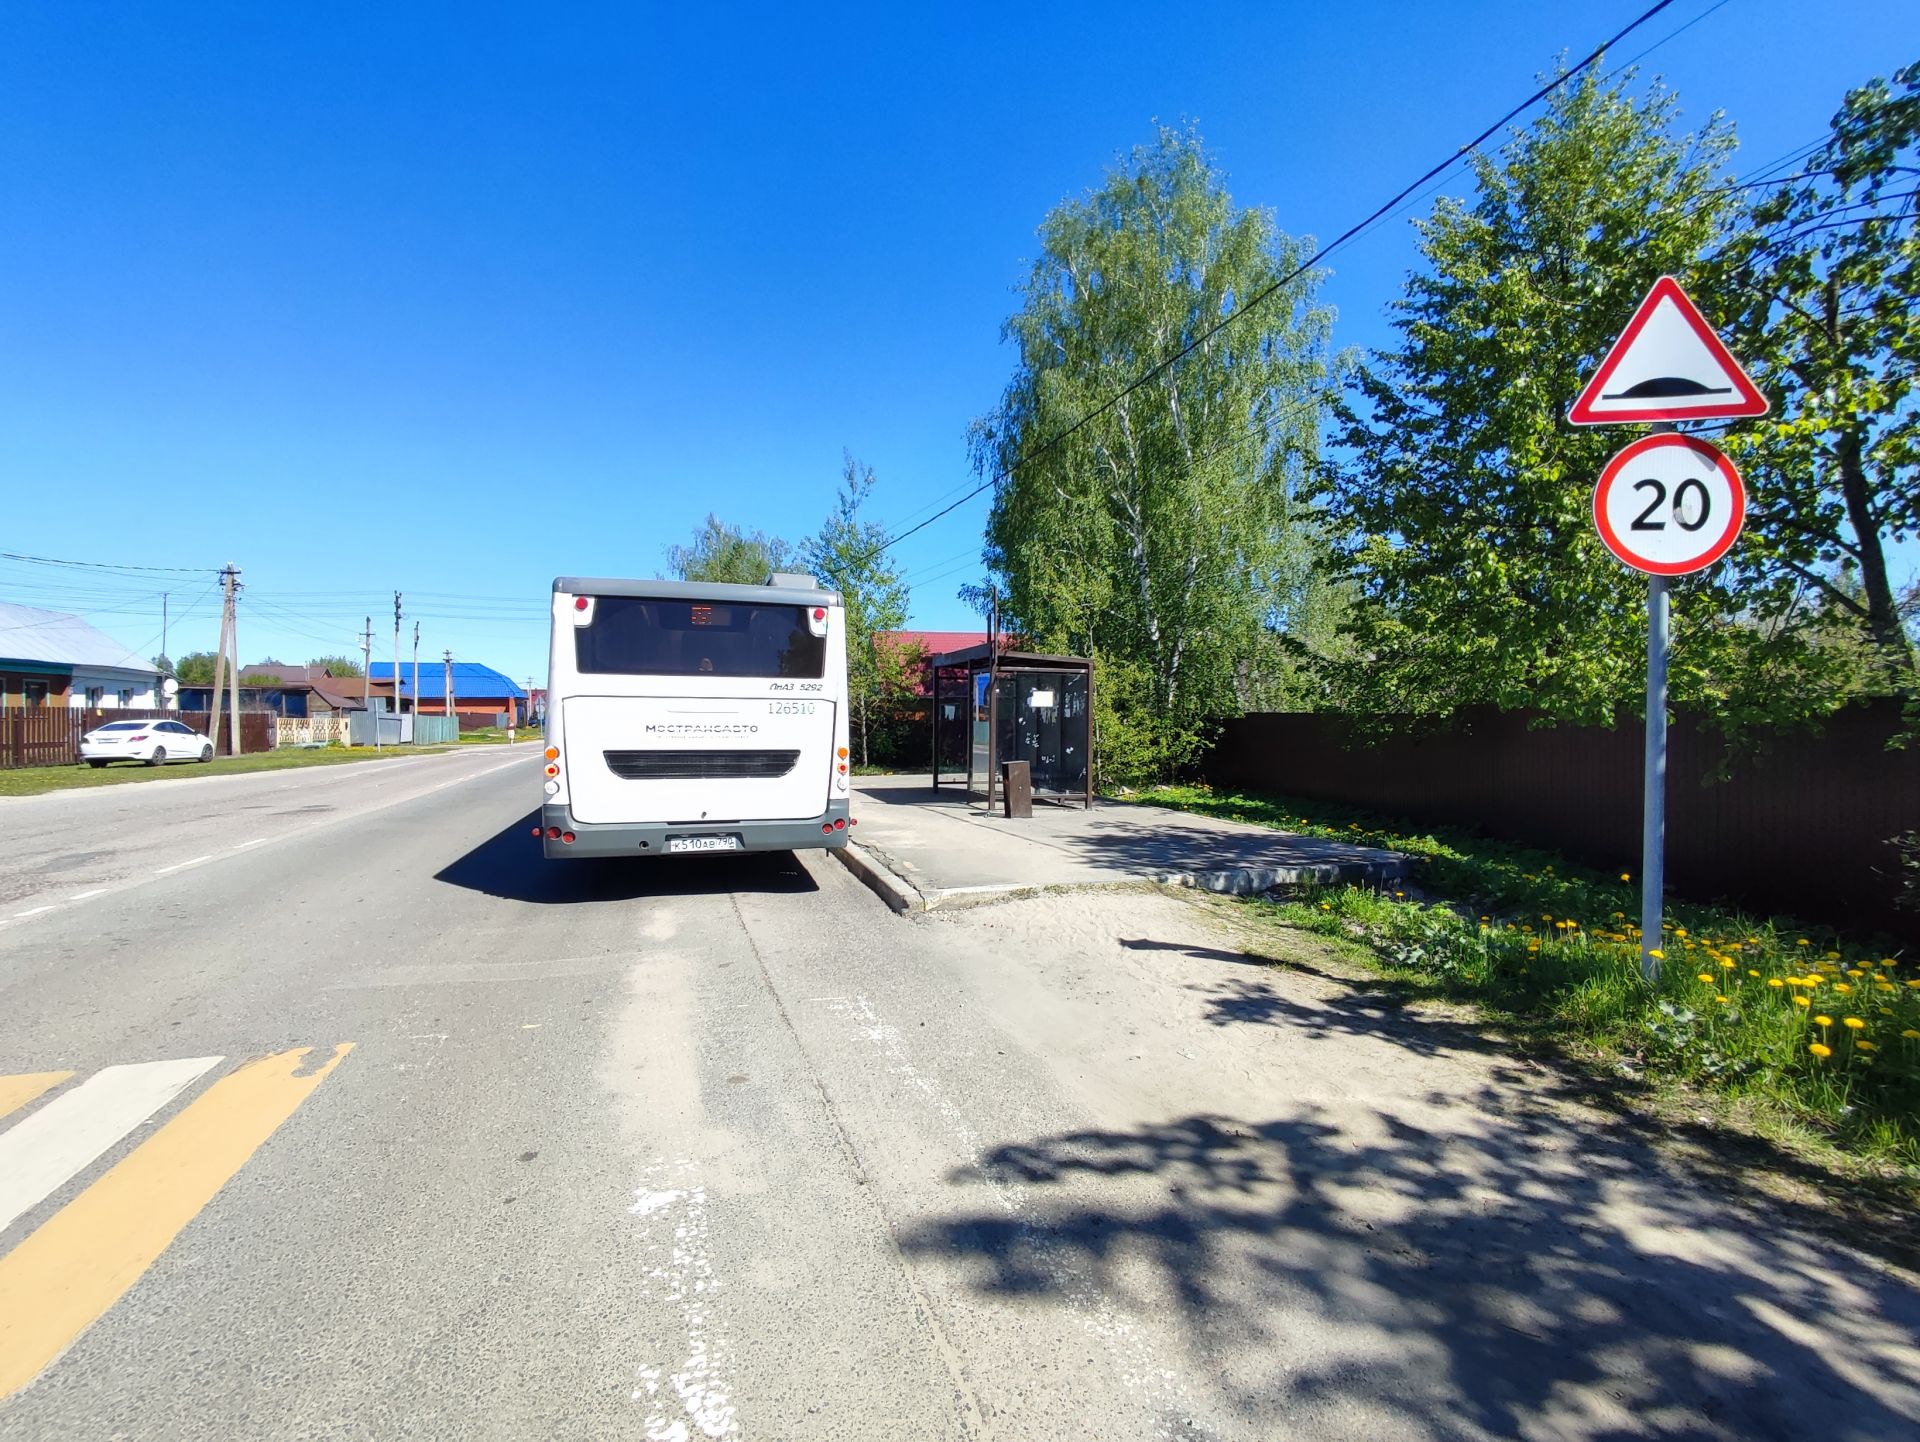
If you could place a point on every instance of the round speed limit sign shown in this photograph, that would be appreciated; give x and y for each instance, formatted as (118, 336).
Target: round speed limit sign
(1669, 505)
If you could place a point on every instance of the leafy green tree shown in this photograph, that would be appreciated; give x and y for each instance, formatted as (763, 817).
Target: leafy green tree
(727, 554)
(1465, 496)
(338, 665)
(849, 555)
(1163, 535)
(163, 664)
(195, 669)
(1830, 268)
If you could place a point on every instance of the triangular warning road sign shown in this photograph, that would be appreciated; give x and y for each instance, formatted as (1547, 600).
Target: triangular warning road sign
(1668, 365)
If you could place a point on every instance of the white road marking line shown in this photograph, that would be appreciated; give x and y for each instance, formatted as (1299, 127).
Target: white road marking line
(70, 1132)
(683, 1266)
(261, 840)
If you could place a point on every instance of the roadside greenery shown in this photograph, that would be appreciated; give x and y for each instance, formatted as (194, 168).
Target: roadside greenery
(1462, 498)
(727, 554)
(1820, 1028)
(1158, 529)
(36, 780)
(849, 555)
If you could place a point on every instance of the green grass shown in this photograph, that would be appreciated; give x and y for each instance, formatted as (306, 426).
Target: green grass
(1741, 1008)
(495, 735)
(33, 780)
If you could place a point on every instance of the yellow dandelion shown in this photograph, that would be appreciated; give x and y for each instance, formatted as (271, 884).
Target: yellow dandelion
(1752, 972)
(1915, 984)
(1852, 1023)
(1657, 954)
(1843, 987)
(1855, 972)
(1865, 1046)
(1626, 876)
(1911, 1034)
(1726, 963)
(1801, 1001)
(1820, 1049)
(1823, 1021)
(1801, 942)
(1775, 981)
(1679, 931)
(1833, 956)
(1723, 999)
(1707, 977)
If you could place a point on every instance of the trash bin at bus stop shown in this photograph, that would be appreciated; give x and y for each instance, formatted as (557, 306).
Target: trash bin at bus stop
(1016, 788)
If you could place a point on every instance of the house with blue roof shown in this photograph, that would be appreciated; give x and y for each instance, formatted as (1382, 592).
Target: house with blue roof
(481, 695)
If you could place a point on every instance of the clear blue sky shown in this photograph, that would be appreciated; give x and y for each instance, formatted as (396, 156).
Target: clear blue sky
(454, 299)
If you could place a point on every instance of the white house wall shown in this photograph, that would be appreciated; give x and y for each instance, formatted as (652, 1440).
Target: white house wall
(111, 683)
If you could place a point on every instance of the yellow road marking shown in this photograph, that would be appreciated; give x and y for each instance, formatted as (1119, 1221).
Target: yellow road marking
(82, 1260)
(17, 1091)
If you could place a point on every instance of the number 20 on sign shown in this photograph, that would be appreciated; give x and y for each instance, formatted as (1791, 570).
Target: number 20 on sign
(1669, 505)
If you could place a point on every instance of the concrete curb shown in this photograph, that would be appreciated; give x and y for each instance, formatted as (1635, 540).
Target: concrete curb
(880, 881)
(1252, 880)
(902, 896)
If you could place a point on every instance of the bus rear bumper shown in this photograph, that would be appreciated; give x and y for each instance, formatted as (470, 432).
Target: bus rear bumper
(648, 839)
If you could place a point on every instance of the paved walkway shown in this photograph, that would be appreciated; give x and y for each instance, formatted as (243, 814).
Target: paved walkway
(922, 848)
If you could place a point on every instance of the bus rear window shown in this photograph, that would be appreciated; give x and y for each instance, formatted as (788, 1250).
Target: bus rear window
(633, 636)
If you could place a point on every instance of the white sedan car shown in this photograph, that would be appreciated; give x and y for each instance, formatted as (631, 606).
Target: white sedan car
(152, 742)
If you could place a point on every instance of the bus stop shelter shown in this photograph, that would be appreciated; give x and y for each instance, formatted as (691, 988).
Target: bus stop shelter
(990, 707)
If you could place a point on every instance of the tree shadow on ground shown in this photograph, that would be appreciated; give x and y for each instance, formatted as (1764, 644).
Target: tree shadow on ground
(509, 864)
(1531, 1051)
(1457, 1267)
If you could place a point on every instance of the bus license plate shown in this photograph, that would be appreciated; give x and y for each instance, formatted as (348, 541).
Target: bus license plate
(703, 843)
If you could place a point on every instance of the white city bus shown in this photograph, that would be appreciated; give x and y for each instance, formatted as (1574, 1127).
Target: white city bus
(686, 717)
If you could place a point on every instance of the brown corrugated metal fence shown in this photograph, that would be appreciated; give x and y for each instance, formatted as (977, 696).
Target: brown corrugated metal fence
(1801, 826)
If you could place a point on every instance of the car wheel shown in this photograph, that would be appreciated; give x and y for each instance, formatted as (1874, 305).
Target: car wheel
(159, 757)
(206, 753)
(96, 765)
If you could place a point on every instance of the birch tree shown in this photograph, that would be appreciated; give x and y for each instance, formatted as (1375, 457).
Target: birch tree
(1163, 536)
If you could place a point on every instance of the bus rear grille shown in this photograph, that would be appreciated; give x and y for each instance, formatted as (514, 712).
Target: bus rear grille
(701, 765)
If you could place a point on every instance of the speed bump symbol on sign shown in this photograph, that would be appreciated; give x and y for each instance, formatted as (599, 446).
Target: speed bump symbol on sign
(1669, 505)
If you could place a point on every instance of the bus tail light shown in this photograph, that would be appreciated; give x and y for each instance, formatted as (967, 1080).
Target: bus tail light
(567, 837)
(840, 824)
(826, 828)
(553, 833)
(552, 770)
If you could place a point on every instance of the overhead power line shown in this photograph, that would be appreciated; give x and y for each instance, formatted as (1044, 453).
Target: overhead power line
(107, 566)
(1273, 288)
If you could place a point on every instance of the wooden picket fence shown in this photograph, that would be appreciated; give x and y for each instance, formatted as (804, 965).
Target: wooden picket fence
(50, 735)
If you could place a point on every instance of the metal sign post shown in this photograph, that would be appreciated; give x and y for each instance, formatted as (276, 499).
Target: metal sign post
(1653, 812)
(1669, 505)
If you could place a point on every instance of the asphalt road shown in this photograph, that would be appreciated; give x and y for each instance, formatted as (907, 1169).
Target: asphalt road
(375, 1124)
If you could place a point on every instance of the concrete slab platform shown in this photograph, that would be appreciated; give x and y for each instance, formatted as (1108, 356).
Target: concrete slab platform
(921, 848)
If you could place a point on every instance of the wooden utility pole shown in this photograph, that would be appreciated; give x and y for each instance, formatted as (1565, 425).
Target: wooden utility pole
(448, 708)
(416, 673)
(366, 680)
